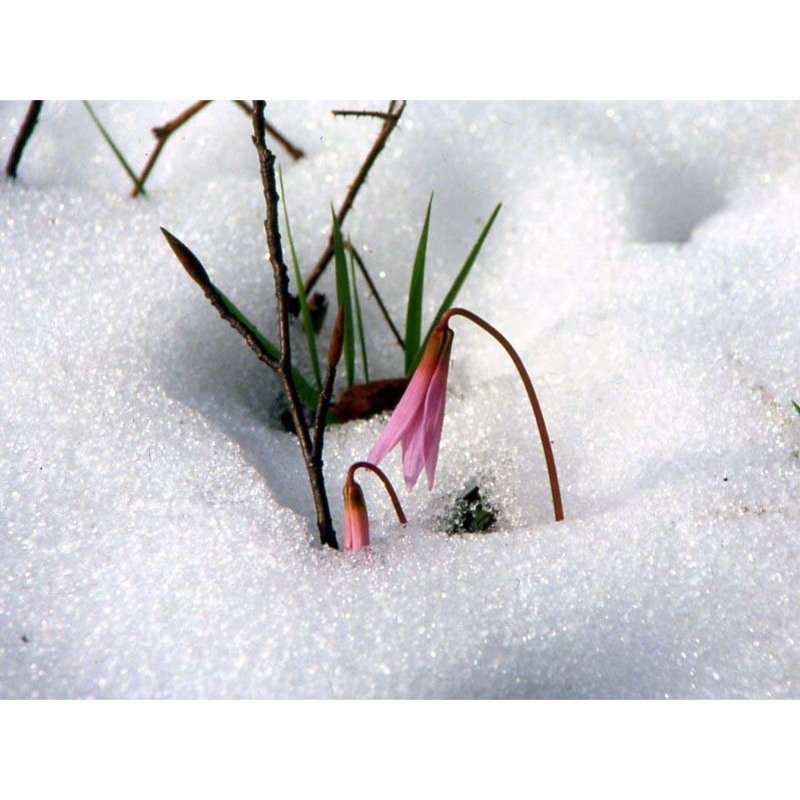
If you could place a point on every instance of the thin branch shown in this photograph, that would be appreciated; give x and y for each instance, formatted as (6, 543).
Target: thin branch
(162, 134)
(326, 393)
(295, 153)
(199, 275)
(25, 132)
(376, 295)
(351, 113)
(393, 114)
(312, 455)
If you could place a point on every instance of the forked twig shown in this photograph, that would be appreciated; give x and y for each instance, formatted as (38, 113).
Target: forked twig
(295, 153)
(392, 117)
(279, 358)
(312, 451)
(163, 133)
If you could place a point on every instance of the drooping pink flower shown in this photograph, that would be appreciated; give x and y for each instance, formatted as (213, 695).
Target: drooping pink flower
(417, 421)
(356, 519)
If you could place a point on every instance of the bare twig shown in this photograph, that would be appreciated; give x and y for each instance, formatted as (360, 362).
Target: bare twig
(324, 403)
(198, 274)
(312, 454)
(295, 153)
(393, 115)
(351, 113)
(162, 134)
(25, 132)
(376, 295)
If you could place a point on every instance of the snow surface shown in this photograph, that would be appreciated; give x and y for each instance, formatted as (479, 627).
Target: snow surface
(158, 539)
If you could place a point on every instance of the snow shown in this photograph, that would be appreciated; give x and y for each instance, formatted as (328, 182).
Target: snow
(158, 537)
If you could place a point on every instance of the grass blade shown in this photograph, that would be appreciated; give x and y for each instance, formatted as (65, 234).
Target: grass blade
(301, 293)
(359, 321)
(415, 291)
(343, 299)
(114, 148)
(462, 276)
(796, 407)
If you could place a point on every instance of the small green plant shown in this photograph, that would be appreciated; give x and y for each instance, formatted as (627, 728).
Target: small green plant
(347, 297)
(471, 513)
(796, 407)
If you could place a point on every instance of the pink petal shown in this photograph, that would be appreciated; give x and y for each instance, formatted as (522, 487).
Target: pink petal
(434, 411)
(409, 411)
(413, 449)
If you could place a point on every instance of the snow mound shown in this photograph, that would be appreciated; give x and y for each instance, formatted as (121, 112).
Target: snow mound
(158, 537)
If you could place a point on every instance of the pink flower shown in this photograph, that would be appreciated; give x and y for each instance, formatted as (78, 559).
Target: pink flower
(356, 519)
(417, 421)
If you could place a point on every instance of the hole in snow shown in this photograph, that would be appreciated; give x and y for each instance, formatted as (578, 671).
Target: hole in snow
(673, 200)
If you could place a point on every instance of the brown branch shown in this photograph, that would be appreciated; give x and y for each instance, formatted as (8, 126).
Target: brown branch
(25, 132)
(350, 113)
(162, 134)
(326, 393)
(295, 153)
(393, 115)
(199, 275)
(376, 295)
(312, 455)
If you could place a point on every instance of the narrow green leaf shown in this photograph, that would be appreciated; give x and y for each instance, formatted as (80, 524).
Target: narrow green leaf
(114, 148)
(796, 407)
(415, 291)
(343, 299)
(301, 293)
(308, 394)
(359, 321)
(462, 276)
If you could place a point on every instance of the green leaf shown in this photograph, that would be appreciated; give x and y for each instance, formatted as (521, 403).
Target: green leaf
(343, 299)
(796, 407)
(308, 394)
(114, 148)
(462, 276)
(415, 292)
(359, 321)
(301, 293)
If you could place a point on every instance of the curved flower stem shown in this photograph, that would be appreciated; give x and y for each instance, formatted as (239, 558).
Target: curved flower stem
(386, 482)
(537, 411)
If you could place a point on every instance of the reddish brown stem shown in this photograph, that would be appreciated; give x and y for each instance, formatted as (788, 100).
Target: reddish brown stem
(398, 509)
(537, 410)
